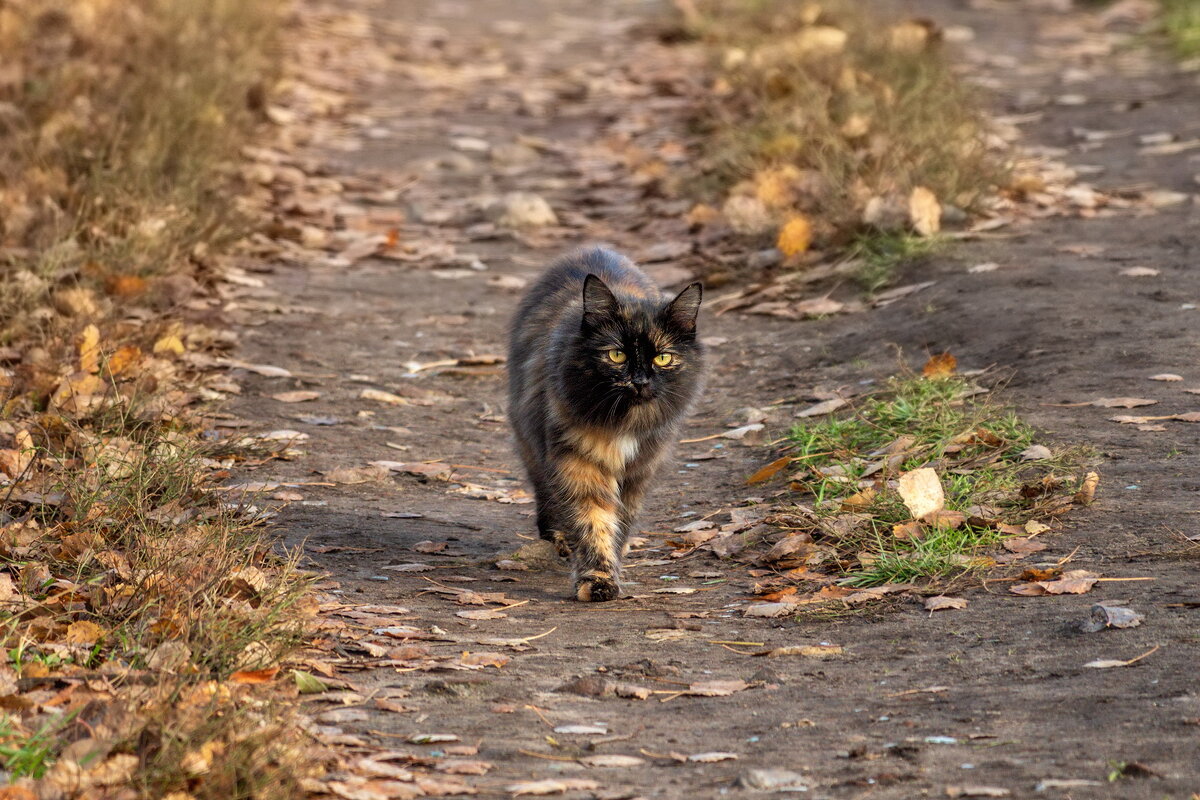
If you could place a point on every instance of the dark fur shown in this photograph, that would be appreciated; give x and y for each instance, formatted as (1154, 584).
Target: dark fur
(591, 432)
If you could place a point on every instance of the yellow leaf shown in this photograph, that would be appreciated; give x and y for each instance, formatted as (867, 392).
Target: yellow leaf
(89, 349)
(169, 344)
(940, 366)
(123, 359)
(924, 211)
(795, 236)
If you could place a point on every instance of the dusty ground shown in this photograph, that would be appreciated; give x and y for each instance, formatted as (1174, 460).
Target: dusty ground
(1016, 702)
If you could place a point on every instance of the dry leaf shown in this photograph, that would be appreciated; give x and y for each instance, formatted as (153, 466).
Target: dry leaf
(1166, 376)
(295, 397)
(921, 491)
(383, 397)
(169, 344)
(89, 349)
(1087, 492)
(709, 758)
(924, 211)
(769, 471)
(940, 366)
(551, 786)
(824, 407)
(941, 603)
(795, 236)
(255, 675)
(1139, 272)
(611, 760)
(1123, 402)
(84, 632)
(717, 688)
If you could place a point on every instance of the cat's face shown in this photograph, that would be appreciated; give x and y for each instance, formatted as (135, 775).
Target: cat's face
(634, 353)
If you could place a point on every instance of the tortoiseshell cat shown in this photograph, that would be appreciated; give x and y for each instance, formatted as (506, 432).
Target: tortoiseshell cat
(602, 367)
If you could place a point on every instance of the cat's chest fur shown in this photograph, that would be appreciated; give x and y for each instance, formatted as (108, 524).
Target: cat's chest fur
(608, 450)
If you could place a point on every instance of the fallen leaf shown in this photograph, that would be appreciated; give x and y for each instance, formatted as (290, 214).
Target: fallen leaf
(1087, 491)
(795, 236)
(169, 344)
(611, 760)
(1139, 272)
(805, 650)
(307, 683)
(1123, 402)
(1035, 452)
(769, 471)
(295, 397)
(924, 211)
(977, 791)
(1107, 663)
(582, 730)
(432, 738)
(481, 613)
(255, 675)
(1166, 376)
(921, 491)
(1105, 616)
(824, 407)
(89, 349)
(383, 397)
(84, 632)
(551, 786)
(717, 688)
(942, 603)
(940, 366)
(709, 758)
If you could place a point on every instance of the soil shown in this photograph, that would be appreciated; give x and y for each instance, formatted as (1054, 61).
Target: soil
(994, 695)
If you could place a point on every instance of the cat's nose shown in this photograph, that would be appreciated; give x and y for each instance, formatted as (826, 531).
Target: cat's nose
(641, 380)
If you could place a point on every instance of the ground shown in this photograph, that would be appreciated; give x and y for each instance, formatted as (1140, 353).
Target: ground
(994, 695)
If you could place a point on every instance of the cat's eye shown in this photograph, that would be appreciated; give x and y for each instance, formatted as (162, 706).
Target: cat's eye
(664, 359)
(617, 356)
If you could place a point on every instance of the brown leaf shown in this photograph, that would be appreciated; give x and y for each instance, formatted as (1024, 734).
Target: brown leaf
(483, 660)
(295, 397)
(255, 675)
(383, 397)
(123, 359)
(1123, 402)
(769, 471)
(1023, 546)
(822, 408)
(941, 603)
(1075, 581)
(551, 786)
(88, 345)
(84, 632)
(942, 365)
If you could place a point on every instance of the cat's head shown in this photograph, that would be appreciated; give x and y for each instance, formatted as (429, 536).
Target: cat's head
(636, 352)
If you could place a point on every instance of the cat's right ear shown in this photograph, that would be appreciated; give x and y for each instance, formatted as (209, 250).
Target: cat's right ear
(599, 302)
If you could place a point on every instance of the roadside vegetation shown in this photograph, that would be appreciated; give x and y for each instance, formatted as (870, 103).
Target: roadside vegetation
(828, 130)
(136, 608)
(925, 480)
(1181, 20)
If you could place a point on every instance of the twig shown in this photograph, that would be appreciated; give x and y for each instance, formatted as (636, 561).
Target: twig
(540, 715)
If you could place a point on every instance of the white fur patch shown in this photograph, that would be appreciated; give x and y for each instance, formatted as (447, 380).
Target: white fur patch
(628, 448)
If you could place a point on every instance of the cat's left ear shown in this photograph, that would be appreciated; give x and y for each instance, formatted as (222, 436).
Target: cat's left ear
(683, 310)
(598, 300)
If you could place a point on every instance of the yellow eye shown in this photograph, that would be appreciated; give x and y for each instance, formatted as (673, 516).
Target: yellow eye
(664, 359)
(617, 356)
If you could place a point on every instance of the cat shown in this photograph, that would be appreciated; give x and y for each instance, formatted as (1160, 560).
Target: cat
(602, 369)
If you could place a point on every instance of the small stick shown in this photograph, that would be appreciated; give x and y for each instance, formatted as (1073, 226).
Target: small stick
(540, 715)
(546, 756)
(741, 644)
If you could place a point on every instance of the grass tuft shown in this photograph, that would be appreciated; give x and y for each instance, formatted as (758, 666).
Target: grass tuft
(849, 465)
(833, 113)
(1181, 20)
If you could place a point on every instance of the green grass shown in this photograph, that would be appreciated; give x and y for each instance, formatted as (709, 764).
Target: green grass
(1181, 20)
(973, 445)
(882, 253)
(28, 755)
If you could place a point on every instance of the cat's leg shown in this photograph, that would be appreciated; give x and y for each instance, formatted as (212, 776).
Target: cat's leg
(595, 510)
(633, 490)
(550, 522)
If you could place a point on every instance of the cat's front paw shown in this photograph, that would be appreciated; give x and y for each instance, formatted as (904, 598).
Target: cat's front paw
(596, 589)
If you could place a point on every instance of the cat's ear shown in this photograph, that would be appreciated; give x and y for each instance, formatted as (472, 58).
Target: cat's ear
(598, 300)
(683, 310)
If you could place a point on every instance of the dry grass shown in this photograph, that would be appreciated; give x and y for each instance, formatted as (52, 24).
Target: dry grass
(123, 576)
(125, 120)
(828, 112)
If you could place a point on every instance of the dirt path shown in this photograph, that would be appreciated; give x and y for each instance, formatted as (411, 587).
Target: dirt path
(994, 695)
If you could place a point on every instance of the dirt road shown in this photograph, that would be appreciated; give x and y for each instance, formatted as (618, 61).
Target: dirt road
(488, 97)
